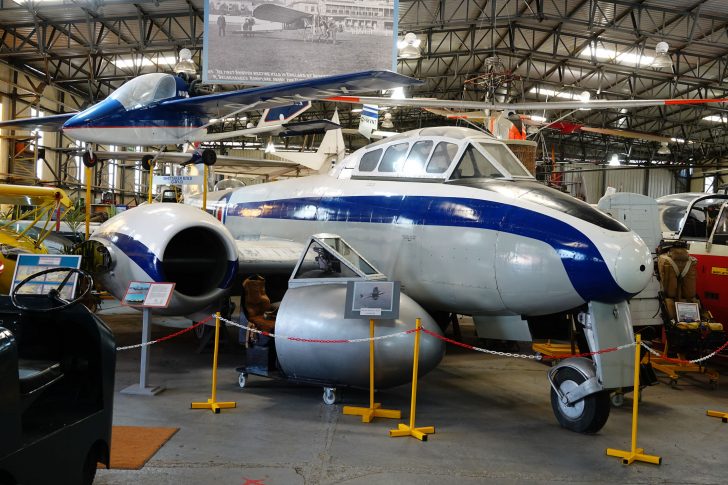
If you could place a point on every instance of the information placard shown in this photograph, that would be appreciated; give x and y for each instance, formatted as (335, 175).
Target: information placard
(28, 264)
(146, 294)
(378, 300)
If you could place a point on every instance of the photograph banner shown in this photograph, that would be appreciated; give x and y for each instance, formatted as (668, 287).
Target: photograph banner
(272, 41)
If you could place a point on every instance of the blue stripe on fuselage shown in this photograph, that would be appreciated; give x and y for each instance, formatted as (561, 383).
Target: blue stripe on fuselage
(137, 252)
(582, 261)
(148, 261)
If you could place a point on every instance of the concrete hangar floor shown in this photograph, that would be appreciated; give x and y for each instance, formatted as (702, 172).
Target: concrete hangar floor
(492, 416)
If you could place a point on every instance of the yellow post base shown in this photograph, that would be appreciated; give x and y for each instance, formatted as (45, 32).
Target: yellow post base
(405, 430)
(368, 414)
(718, 414)
(213, 406)
(628, 457)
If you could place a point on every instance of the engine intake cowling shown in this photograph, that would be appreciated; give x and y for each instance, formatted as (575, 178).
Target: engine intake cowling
(172, 243)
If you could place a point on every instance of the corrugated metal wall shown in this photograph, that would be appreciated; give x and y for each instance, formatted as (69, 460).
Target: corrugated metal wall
(586, 179)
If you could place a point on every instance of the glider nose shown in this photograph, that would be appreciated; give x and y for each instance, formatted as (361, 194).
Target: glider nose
(94, 113)
(633, 268)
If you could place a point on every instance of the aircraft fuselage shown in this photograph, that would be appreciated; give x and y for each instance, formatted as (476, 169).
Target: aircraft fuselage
(150, 125)
(458, 248)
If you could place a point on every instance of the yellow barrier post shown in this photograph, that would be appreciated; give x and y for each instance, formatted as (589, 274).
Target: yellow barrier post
(212, 403)
(635, 454)
(88, 201)
(151, 180)
(411, 430)
(375, 409)
(718, 414)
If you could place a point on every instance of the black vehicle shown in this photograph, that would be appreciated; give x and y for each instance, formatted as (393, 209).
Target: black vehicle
(57, 364)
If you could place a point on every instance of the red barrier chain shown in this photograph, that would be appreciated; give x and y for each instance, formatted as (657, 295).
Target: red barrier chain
(167, 337)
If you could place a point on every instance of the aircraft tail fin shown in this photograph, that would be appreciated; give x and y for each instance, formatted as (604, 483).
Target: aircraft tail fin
(369, 120)
(331, 150)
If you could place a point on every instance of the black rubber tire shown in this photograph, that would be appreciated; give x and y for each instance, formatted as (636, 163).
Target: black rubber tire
(147, 162)
(209, 157)
(595, 407)
(89, 160)
(89, 466)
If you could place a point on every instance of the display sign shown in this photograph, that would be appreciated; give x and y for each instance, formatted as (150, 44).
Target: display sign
(269, 41)
(178, 179)
(146, 294)
(377, 300)
(28, 264)
(687, 312)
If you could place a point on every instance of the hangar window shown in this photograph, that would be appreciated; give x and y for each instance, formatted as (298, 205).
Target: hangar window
(442, 157)
(370, 160)
(417, 157)
(393, 158)
(473, 164)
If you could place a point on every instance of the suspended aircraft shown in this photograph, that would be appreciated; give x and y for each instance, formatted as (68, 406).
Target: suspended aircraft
(492, 111)
(450, 213)
(157, 108)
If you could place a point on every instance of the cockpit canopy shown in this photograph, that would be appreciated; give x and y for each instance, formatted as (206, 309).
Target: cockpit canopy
(437, 154)
(146, 89)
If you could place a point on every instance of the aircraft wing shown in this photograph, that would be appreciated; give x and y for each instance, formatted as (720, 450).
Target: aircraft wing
(278, 13)
(268, 255)
(182, 157)
(221, 104)
(537, 105)
(299, 128)
(42, 123)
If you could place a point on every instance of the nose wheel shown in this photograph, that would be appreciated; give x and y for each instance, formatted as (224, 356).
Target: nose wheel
(331, 396)
(587, 415)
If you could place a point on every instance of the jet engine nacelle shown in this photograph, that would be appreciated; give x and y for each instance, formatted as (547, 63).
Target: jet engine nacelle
(317, 312)
(171, 243)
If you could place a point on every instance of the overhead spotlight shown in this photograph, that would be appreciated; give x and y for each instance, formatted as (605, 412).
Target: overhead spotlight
(664, 149)
(662, 57)
(614, 161)
(409, 47)
(387, 121)
(186, 64)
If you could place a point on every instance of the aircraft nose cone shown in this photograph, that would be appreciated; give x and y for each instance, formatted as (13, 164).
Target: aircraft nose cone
(96, 112)
(633, 268)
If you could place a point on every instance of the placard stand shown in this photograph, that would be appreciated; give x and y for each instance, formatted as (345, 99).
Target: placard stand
(150, 295)
(142, 389)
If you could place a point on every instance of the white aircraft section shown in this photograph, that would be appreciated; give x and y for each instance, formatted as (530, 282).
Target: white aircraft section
(640, 214)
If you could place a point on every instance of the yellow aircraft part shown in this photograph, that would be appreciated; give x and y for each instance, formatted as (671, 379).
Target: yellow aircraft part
(10, 239)
(32, 195)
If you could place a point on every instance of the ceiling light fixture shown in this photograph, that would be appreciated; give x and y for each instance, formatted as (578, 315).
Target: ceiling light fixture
(664, 149)
(409, 47)
(662, 56)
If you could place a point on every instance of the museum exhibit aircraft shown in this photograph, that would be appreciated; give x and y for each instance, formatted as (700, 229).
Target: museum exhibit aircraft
(157, 109)
(450, 213)
(16, 240)
(701, 221)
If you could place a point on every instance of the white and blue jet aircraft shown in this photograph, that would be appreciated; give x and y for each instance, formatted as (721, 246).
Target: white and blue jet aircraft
(450, 213)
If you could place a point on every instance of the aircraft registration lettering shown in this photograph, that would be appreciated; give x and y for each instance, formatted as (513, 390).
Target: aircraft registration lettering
(719, 271)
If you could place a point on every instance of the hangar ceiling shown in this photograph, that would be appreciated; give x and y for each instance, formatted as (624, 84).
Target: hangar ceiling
(502, 50)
